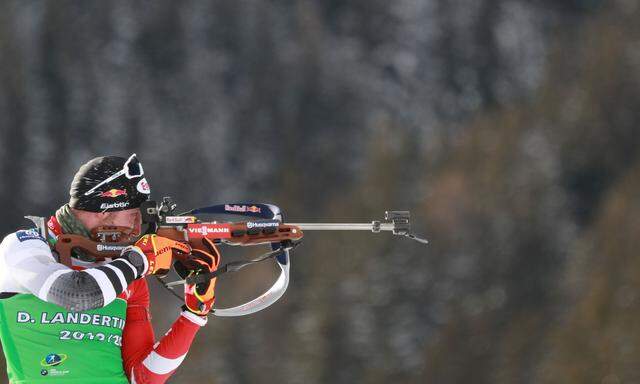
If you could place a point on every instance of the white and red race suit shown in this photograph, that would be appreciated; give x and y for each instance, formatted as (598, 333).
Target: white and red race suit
(31, 268)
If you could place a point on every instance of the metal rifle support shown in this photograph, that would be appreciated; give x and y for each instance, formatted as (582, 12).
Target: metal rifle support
(397, 222)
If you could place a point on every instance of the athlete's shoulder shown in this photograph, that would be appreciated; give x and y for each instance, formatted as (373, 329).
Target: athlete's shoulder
(24, 238)
(23, 243)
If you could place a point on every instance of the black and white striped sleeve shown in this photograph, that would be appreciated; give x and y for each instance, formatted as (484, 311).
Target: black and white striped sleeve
(90, 288)
(35, 269)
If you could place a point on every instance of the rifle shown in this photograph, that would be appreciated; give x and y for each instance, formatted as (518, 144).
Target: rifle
(264, 224)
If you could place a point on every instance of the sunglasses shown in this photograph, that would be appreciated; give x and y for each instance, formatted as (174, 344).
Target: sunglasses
(131, 169)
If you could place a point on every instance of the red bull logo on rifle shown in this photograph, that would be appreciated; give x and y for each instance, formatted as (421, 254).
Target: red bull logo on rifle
(114, 193)
(241, 208)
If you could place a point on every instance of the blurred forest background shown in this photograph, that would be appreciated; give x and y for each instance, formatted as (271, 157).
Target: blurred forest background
(507, 127)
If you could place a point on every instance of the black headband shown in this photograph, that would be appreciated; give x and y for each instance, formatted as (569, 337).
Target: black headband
(127, 188)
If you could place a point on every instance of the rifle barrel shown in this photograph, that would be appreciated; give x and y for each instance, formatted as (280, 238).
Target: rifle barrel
(344, 226)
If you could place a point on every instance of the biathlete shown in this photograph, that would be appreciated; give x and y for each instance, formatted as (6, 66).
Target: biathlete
(89, 322)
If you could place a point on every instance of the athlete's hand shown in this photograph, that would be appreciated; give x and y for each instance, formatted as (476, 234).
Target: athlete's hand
(157, 253)
(199, 298)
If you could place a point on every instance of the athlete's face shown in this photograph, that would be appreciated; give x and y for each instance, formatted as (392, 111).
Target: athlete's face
(130, 218)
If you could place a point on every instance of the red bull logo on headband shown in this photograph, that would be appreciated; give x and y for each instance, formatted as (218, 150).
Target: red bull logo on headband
(113, 193)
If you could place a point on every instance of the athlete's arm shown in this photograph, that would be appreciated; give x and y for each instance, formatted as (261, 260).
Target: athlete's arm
(144, 361)
(30, 263)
